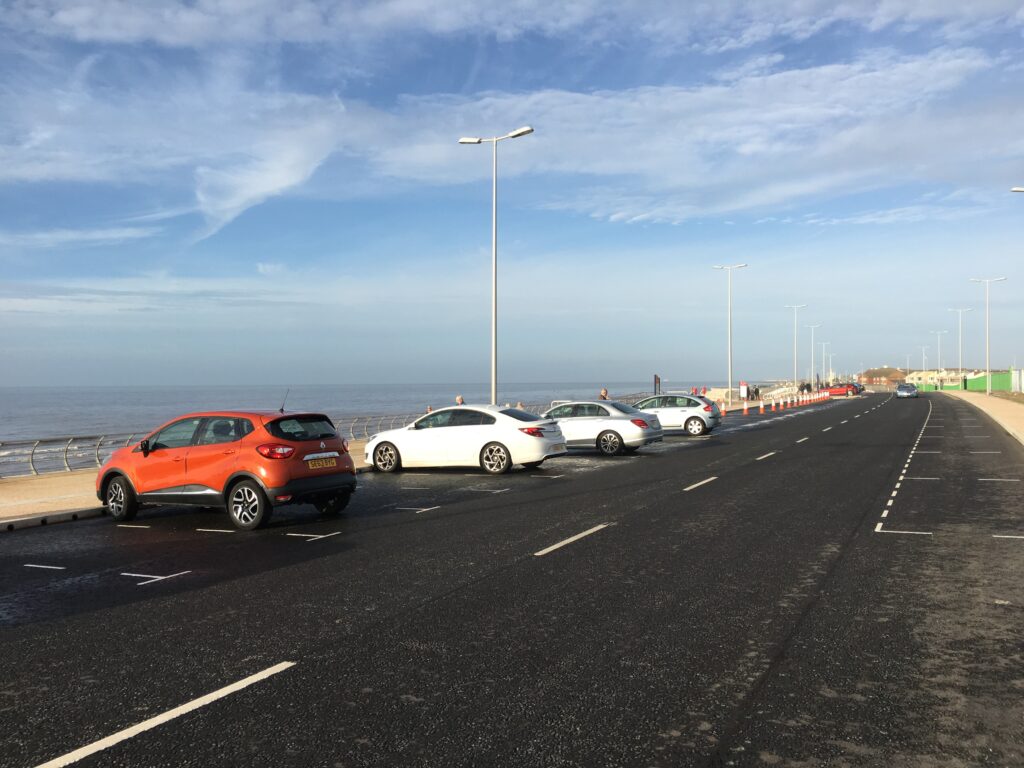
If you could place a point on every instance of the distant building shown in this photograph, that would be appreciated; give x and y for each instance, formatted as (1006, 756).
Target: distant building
(882, 377)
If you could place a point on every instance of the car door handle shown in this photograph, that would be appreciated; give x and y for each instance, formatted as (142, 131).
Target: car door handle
(227, 453)
(178, 458)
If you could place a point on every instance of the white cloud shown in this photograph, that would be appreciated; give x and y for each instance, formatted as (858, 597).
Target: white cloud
(68, 238)
(270, 269)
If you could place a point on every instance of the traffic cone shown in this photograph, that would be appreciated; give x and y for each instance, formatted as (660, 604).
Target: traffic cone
(745, 411)
(721, 407)
(762, 407)
(773, 406)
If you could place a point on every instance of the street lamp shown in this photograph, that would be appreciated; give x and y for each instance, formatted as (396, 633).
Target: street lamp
(923, 359)
(938, 355)
(494, 247)
(728, 271)
(823, 358)
(988, 373)
(812, 327)
(960, 339)
(796, 308)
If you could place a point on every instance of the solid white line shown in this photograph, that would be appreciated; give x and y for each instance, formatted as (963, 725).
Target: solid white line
(126, 525)
(998, 480)
(770, 453)
(47, 567)
(153, 722)
(802, 439)
(984, 451)
(698, 485)
(570, 540)
(924, 478)
(878, 529)
(214, 530)
(998, 536)
(826, 429)
(929, 451)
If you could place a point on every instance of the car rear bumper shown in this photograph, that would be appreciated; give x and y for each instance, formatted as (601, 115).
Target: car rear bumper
(304, 488)
(637, 441)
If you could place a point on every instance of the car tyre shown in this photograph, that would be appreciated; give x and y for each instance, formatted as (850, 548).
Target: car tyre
(533, 464)
(609, 443)
(495, 459)
(386, 458)
(695, 426)
(248, 505)
(334, 506)
(120, 500)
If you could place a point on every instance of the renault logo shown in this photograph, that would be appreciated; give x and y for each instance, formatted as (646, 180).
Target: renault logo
(323, 444)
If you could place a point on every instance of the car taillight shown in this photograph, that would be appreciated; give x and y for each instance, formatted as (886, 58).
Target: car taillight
(640, 423)
(532, 431)
(707, 408)
(275, 450)
(344, 445)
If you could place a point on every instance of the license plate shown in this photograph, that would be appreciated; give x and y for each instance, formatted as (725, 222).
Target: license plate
(321, 463)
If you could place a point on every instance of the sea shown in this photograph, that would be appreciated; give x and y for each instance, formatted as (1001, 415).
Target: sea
(35, 413)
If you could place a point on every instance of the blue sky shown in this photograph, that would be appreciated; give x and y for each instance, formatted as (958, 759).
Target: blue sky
(250, 191)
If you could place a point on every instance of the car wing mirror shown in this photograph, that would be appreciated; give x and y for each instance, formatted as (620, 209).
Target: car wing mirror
(144, 447)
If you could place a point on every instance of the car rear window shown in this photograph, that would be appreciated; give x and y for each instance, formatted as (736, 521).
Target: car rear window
(299, 428)
(624, 408)
(521, 415)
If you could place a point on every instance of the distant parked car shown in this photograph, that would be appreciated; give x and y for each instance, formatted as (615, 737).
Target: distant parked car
(844, 389)
(906, 390)
(246, 461)
(487, 436)
(610, 426)
(691, 414)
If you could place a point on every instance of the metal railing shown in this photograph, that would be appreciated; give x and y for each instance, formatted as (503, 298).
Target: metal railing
(71, 452)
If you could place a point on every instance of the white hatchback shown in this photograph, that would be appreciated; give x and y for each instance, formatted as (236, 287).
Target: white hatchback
(488, 436)
(692, 414)
(609, 426)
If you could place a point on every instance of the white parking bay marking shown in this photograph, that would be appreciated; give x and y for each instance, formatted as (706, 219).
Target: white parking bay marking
(998, 480)
(313, 536)
(214, 530)
(770, 453)
(570, 540)
(126, 525)
(548, 477)
(984, 451)
(1005, 536)
(698, 485)
(417, 510)
(879, 529)
(47, 567)
(153, 722)
(150, 578)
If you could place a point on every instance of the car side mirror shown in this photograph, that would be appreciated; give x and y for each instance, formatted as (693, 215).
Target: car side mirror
(144, 447)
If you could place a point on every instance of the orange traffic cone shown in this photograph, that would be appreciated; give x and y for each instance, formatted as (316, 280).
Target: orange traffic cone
(745, 411)
(721, 407)
(762, 408)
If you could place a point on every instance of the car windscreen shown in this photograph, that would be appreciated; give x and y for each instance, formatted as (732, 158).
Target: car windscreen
(312, 426)
(521, 415)
(624, 408)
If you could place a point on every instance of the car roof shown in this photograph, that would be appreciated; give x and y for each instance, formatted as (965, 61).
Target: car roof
(263, 414)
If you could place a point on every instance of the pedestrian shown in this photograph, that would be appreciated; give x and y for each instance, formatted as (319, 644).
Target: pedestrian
(604, 394)
(430, 408)
(459, 400)
(704, 390)
(520, 405)
(693, 391)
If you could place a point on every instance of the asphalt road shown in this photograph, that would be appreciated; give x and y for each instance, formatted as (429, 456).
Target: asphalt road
(845, 591)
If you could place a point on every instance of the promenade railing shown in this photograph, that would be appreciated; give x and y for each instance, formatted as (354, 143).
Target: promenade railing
(71, 452)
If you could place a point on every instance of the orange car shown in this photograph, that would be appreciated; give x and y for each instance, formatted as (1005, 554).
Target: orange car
(246, 461)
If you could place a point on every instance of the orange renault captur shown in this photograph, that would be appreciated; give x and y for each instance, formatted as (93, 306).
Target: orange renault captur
(245, 461)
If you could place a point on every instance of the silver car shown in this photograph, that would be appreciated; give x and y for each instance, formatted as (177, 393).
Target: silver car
(906, 390)
(607, 425)
(692, 414)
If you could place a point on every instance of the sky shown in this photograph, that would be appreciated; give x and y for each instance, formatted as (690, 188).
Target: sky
(264, 191)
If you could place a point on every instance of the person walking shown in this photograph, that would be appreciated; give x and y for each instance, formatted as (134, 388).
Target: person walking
(604, 394)
(459, 400)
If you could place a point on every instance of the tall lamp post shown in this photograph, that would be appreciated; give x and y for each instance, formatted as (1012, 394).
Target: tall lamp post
(494, 246)
(812, 327)
(796, 308)
(960, 339)
(824, 344)
(988, 372)
(923, 360)
(728, 270)
(938, 356)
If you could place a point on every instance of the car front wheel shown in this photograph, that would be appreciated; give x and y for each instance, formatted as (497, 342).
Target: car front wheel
(695, 426)
(609, 443)
(386, 458)
(120, 500)
(495, 459)
(248, 506)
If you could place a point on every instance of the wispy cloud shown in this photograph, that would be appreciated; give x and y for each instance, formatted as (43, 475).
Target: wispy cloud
(66, 238)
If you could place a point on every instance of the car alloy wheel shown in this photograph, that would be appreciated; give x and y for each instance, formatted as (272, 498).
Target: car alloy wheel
(695, 426)
(115, 499)
(609, 443)
(385, 457)
(494, 458)
(245, 505)
(120, 500)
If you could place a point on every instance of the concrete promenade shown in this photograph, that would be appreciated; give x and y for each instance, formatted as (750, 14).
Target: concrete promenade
(59, 495)
(1007, 413)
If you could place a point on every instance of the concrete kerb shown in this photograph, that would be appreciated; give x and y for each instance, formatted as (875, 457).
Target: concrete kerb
(1005, 413)
(71, 515)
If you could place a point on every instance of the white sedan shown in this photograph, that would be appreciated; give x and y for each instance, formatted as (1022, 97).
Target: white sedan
(609, 426)
(488, 436)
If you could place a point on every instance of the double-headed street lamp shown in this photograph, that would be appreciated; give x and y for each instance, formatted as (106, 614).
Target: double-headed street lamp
(988, 373)
(728, 270)
(494, 247)
(960, 339)
(796, 308)
(938, 354)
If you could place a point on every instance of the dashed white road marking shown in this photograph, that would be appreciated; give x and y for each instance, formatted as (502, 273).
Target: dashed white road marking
(844, 421)
(151, 578)
(802, 439)
(47, 567)
(770, 453)
(570, 540)
(698, 485)
(826, 429)
(153, 722)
